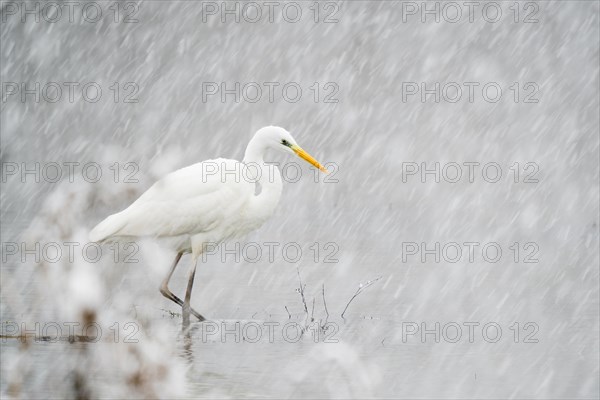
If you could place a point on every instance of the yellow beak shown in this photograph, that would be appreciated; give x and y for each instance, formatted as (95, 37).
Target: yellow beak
(308, 158)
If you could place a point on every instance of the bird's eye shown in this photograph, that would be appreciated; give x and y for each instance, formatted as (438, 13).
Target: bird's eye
(285, 142)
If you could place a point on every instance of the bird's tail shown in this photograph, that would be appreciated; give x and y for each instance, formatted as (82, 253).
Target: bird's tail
(107, 228)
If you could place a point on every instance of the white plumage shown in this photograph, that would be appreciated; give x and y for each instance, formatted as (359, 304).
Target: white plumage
(207, 202)
(186, 202)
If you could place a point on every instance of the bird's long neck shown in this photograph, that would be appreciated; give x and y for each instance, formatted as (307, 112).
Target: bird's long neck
(263, 203)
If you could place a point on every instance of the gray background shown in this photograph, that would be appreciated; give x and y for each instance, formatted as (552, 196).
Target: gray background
(369, 133)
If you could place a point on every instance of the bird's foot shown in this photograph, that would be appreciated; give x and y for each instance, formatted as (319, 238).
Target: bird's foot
(197, 315)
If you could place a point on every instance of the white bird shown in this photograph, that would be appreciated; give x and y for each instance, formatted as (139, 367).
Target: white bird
(206, 203)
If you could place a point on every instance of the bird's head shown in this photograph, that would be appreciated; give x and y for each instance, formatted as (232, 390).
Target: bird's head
(277, 138)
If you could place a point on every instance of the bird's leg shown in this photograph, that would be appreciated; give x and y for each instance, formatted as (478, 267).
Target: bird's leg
(188, 294)
(164, 288)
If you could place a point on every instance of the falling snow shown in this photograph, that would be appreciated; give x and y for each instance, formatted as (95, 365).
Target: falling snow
(369, 230)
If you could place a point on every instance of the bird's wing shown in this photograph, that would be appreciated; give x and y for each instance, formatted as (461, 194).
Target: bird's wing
(190, 200)
(189, 182)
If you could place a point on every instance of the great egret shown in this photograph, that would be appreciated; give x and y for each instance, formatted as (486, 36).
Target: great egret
(208, 202)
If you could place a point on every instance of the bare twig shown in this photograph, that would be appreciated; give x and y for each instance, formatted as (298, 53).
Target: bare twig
(288, 311)
(360, 289)
(324, 304)
(312, 312)
(301, 291)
